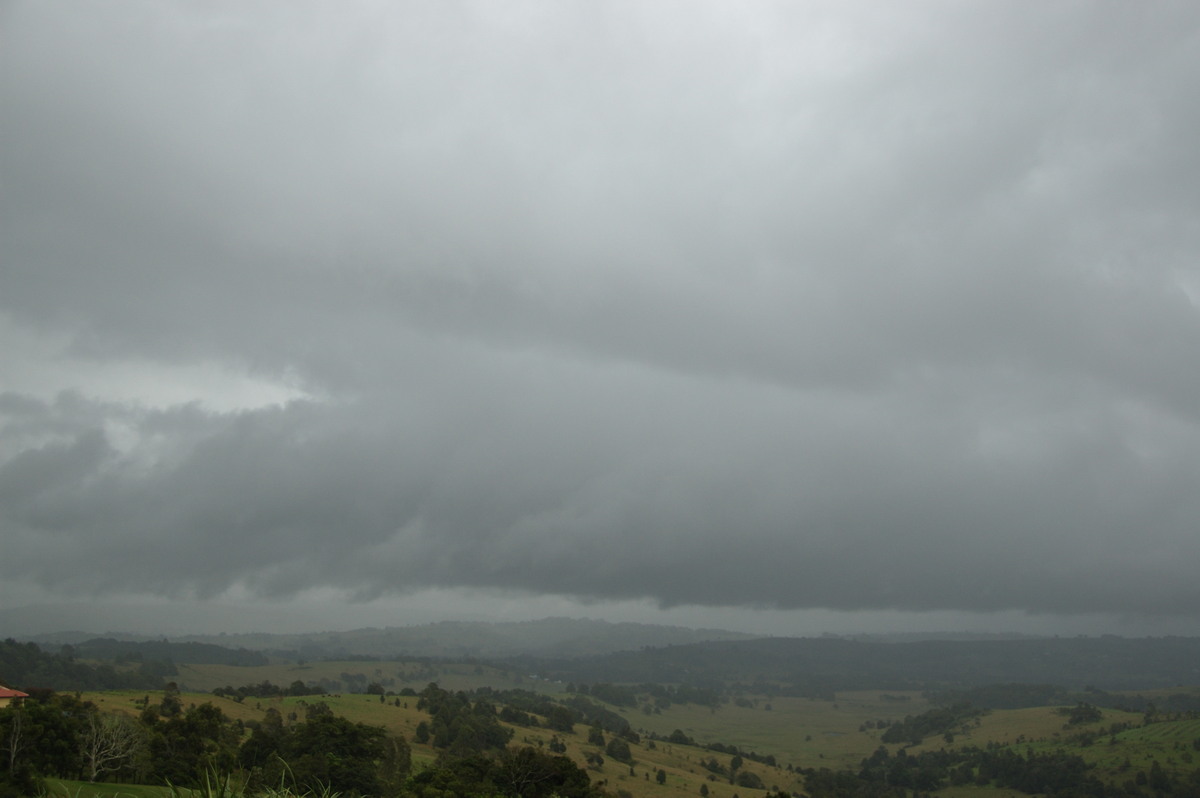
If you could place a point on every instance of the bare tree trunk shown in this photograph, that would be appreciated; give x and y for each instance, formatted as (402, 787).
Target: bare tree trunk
(108, 741)
(15, 738)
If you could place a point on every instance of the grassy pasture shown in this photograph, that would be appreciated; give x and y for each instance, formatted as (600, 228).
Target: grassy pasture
(1169, 742)
(357, 707)
(1168, 731)
(1004, 726)
(800, 731)
(680, 762)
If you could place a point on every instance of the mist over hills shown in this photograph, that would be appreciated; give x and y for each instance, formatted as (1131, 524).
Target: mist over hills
(550, 637)
(564, 638)
(573, 650)
(821, 666)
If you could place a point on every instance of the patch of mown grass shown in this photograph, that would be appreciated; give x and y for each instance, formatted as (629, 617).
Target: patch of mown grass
(66, 788)
(975, 791)
(214, 786)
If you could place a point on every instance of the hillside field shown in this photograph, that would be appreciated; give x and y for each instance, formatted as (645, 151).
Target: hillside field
(799, 732)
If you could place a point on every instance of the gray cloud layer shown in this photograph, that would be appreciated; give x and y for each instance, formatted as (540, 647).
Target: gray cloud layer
(798, 306)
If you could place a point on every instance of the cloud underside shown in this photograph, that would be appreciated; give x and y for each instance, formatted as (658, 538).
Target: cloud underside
(781, 309)
(760, 497)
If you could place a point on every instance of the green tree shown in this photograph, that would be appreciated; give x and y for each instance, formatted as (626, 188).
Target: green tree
(596, 735)
(171, 705)
(41, 736)
(185, 749)
(260, 753)
(394, 765)
(734, 763)
(1159, 780)
(749, 780)
(529, 773)
(560, 718)
(330, 752)
(618, 749)
(458, 726)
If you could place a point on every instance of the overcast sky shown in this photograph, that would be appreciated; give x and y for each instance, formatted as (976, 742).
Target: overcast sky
(790, 316)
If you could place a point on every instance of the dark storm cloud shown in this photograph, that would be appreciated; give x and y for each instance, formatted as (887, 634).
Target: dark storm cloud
(793, 306)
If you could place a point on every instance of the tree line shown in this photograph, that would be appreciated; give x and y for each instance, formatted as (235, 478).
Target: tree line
(54, 734)
(27, 664)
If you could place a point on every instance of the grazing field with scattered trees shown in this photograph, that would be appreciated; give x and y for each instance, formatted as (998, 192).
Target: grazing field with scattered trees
(429, 729)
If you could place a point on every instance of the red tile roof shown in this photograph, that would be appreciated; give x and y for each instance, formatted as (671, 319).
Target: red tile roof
(7, 693)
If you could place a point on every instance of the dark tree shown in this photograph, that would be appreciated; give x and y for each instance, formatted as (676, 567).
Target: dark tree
(559, 718)
(596, 735)
(618, 749)
(330, 752)
(395, 765)
(528, 773)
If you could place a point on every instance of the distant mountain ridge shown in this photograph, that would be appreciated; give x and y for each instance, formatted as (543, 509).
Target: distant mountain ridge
(593, 651)
(822, 666)
(556, 638)
(566, 638)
